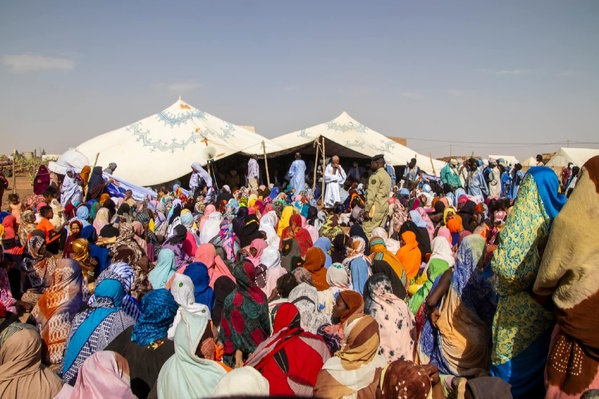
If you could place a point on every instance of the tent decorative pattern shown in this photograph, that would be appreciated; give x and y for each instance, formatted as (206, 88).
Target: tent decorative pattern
(159, 145)
(172, 119)
(358, 127)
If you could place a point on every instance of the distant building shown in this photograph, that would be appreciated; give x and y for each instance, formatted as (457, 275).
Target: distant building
(399, 140)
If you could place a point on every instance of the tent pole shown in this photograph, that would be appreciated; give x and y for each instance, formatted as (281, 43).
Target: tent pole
(266, 164)
(14, 175)
(430, 155)
(317, 145)
(324, 168)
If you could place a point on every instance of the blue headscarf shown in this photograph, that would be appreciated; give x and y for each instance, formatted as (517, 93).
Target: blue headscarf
(274, 192)
(548, 188)
(109, 295)
(158, 312)
(129, 304)
(324, 243)
(417, 219)
(198, 272)
(164, 269)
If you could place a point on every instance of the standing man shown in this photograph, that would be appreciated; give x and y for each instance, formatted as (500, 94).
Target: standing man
(355, 172)
(494, 179)
(253, 173)
(297, 174)
(412, 175)
(334, 177)
(377, 195)
(477, 186)
(450, 177)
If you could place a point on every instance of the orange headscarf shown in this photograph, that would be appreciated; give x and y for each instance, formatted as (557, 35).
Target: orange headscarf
(409, 254)
(84, 174)
(314, 263)
(379, 251)
(103, 198)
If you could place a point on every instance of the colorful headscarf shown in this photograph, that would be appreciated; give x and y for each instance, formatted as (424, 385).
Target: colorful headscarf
(158, 311)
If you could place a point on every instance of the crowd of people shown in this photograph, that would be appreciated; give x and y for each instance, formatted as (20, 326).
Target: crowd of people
(480, 284)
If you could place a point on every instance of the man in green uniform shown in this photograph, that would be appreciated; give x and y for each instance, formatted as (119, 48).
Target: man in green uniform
(377, 195)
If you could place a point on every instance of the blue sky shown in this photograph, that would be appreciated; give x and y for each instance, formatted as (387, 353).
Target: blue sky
(491, 72)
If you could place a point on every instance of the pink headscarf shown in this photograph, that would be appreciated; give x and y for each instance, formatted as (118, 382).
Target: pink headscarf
(444, 232)
(209, 209)
(430, 227)
(259, 245)
(138, 229)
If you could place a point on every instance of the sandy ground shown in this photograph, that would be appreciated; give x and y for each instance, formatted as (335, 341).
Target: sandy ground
(23, 188)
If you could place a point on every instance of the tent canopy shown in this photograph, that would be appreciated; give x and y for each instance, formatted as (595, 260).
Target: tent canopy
(509, 159)
(70, 159)
(578, 156)
(347, 137)
(162, 147)
(531, 161)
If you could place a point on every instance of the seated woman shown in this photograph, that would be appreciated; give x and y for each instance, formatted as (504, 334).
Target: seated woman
(338, 280)
(409, 254)
(75, 228)
(105, 373)
(22, 373)
(183, 292)
(81, 254)
(357, 262)
(314, 263)
(145, 345)
(457, 335)
(378, 251)
(246, 227)
(176, 244)
(356, 369)
(99, 254)
(348, 306)
(396, 323)
(38, 268)
(57, 307)
(250, 326)
(95, 327)
(291, 358)
(192, 371)
(296, 232)
(127, 250)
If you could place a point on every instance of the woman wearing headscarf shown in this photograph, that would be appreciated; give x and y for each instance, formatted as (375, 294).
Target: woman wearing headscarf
(95, 179)
(416, 381)
(211, 228)
(305, 298)
(331, 228)
(244, 381)
(82, 215)
(355, 370)
(129, 305)
(397, 286)
(291, 358)
(191, 372)
(397, 326)
(430, 227)
(81, 254)
(176, 244)
(466, 210)
(391, 244)
(42, 180)
(422, 236)
(245, 323)
(409, 254)
(338, 280)
(38, 268)
(203, 293)
(325, 245)
(296, 232)
(206, 254)
(152, 244)
(357, 263)
(99, 254)
(101, 220)
(348, 306)
(223, 286)
(522, 326)
(440, 261)
(314, 263)
(95, 327)
(26, 226)
(145, 345)
(103, 374)
(139, 236)
(378, 251)
(271, 260)
(22, 374)
(568, 273)
(57, 307)
(183, 292)
(165, 269)
(255, 251)
(70, 190)
(457, 335)
(284, 220)
(339, 251)
(9, 238)
(246, 227)
(75, 227)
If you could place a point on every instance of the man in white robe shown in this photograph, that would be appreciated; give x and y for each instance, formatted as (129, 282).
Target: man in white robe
(334, 177)
(297, 174)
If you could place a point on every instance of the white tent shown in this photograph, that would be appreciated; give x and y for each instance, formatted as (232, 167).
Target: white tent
(509, 159)
(578, 156)
(162, 147)
(70, 159)
(345, 133)
(531, 161)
